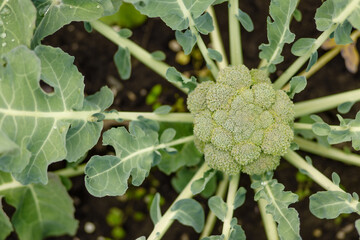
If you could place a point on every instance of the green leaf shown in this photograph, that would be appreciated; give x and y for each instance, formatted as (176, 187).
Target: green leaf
(125, 33)
(278, 204)
(17, 24)
(204, 23)
(186, 39)
(239, 197)
(5, 224)
(323, 16)
(297, 84)
(236, 231)
(321, 129)
(278, 31)
(88, 27)
(190, 213)
(345, 107)
(167, 135)
(199, 185)
(122, 61)
(214, 237)
(297, 15)
(218, 207)
(155, 213)
(335, 178)
(52, 15)
(312, 61)
(175, 13)
(39, 122)
(245, 20)
(135, 153)
(110, 6)
(215, 55)
(172, 75)
(330, 204)
(162, 110)
(158, 55)
(342, 33)
(301, 46)
(41, 210)
(357, 226)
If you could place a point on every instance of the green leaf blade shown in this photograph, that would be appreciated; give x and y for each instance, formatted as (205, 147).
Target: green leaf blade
(5, 224)
(135, 152)
(190, 213)
(17, 23)
(218, 207)
(155, 213)
(122, 59)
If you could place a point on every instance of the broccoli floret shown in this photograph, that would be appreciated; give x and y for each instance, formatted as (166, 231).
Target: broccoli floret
(240, 122)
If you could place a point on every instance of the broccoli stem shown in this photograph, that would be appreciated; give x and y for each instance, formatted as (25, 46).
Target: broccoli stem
(216, 40)
(325, 103)
(211, 218)
(141, 54)
(327, 152)
(233, 187)
(167, 219)
(170, 117)
(236, 55)
(268, 220)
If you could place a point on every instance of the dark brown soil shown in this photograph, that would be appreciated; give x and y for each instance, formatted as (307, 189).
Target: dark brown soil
(94, 58)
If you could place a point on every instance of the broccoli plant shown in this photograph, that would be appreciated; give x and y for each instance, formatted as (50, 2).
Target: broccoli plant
(240, 120)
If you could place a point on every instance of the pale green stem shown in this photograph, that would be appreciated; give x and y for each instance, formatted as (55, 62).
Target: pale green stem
(216, 40)
(268, 221)
(167, 219)
(211, 218)
(308, 126)
(325, 103)
(236, 56)
(233, 187)
(71, 171)
(327, 152)
(291, 71)
(141, 54)
(170, 117)
(311, 171)
(10, 185)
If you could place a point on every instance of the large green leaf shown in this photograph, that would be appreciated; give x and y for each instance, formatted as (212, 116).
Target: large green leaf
(175, 13)
(36, 124)
(5, 224)
(135, 153)
(41, 210)
(53, 14)
(330, 204)
(17, 23)
(190, 213)
(278, 31)
(278, 205)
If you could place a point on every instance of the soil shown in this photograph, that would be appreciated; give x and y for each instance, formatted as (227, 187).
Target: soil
(94, 58)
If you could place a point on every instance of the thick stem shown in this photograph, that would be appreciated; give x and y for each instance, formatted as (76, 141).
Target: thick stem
(312, 172)
(308, 126)
(138, 52)
(233, 187)
(325, 103)
(216, 40)
(291, 71)
(328, 152)
(170, 117)
(211, 219)
(268, 220)
(167, 219)
(71, 172)
(236, 55)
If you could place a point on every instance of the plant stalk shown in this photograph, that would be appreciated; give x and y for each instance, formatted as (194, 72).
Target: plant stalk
(211, 218)
(142, 55)
(236, 55)
(268, 220)
(233, 187)
(71, 171)
(167, 219)
(325, 103)
(312, 172)
(170, 117)
(327, 152)
(215, 37)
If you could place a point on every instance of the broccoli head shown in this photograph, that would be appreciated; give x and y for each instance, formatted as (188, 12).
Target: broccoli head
(241, 123)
